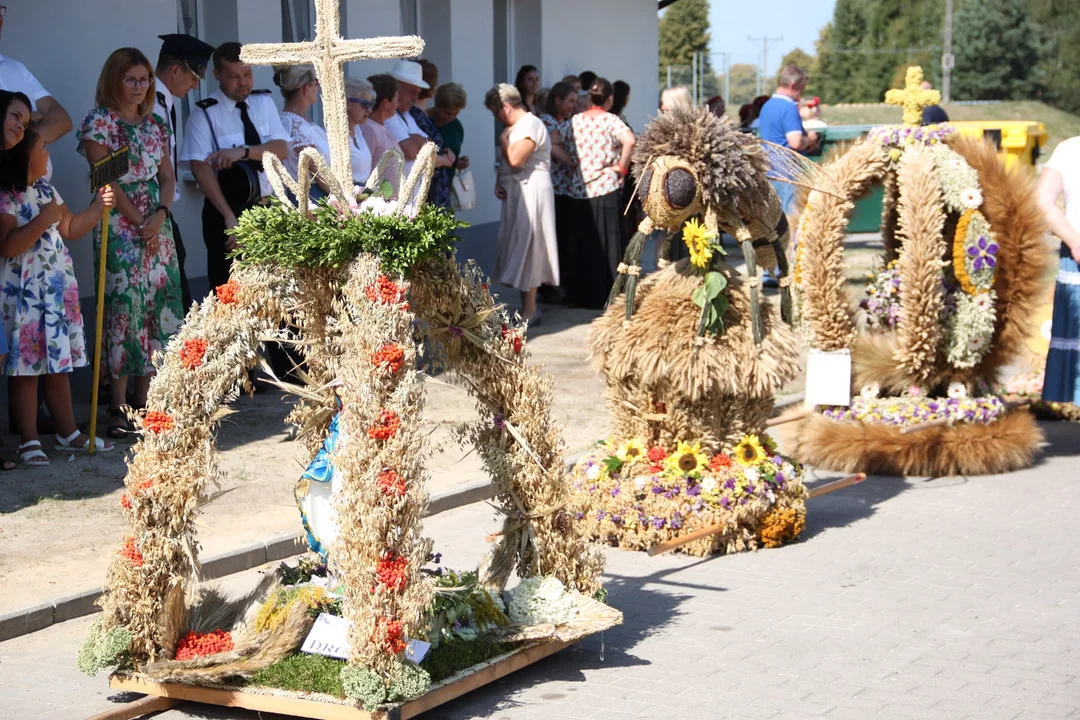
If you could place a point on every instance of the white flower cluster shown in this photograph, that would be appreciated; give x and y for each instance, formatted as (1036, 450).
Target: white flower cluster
(959, 181)
(540, 600)
(971, 328)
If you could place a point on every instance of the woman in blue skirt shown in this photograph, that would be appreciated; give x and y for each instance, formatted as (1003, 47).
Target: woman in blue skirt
(1061, 176)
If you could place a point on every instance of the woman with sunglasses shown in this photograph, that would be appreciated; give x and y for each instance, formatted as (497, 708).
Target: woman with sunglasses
(300, 88)
(361, 97)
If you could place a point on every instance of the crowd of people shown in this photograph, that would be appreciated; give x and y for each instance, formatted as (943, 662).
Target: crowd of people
(564, 159)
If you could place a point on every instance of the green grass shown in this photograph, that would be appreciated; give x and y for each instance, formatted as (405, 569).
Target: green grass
(302, 673)
(315, 673)
(1060, 125)
(453, 656)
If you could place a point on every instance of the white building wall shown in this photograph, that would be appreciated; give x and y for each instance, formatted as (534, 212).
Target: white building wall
(616, 39)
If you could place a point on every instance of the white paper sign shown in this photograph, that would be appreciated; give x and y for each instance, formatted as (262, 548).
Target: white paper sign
(329, 636)
(828, 378)
(416, 650)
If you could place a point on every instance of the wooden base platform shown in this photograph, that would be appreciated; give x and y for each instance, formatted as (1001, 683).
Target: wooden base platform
(321, 710)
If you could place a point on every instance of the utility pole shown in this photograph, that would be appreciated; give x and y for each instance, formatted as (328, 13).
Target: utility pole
(726, 59)
(947, 58)
(693, 78)
(763, 68)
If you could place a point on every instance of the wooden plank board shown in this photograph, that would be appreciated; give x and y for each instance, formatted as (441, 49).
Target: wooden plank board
(137, 709)
(319, 710)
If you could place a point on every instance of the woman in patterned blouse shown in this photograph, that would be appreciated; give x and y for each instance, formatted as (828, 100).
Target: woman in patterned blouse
(603, 144)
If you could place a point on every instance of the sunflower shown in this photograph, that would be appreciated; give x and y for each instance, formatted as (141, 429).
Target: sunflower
(749, 451)
(698, 239)
(687, 459)
(631, 451)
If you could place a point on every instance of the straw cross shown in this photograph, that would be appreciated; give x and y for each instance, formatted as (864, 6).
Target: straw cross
(328, 53)
(913, 98)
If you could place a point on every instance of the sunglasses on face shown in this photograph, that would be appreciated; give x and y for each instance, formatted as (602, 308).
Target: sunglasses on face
(366, 104)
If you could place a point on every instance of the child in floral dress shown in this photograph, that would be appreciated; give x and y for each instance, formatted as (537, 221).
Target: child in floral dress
(39, 301)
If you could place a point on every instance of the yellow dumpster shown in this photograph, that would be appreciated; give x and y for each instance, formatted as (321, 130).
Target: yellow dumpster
(1018, 141)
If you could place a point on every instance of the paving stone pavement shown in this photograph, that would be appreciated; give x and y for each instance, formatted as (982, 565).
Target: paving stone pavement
(946, 599)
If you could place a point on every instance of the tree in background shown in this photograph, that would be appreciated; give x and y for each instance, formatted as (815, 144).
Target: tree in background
(684, 30)
(998, 51)
(838, 51)
(743, 86)
(1059, 70)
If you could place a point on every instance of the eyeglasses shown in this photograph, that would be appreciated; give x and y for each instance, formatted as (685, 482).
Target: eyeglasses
(137, 82)
(366, 104)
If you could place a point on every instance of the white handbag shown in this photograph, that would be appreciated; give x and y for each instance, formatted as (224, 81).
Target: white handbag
(463, 191)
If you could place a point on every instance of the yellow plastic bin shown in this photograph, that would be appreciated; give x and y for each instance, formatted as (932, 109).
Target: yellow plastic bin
(1018, 141)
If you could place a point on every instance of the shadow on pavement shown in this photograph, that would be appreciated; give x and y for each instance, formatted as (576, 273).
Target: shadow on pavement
(848, 505)
(1062, 440)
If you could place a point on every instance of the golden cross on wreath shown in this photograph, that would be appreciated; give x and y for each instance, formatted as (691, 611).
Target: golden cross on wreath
(913, 98)
(328, 52)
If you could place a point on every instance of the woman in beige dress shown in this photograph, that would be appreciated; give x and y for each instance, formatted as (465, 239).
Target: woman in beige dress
(527, 252)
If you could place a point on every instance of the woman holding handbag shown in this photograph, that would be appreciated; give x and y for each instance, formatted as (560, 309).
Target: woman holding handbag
(450, 100)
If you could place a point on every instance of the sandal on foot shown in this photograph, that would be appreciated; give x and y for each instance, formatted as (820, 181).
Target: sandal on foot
(68, 443)
(31, 455)
(118, 431)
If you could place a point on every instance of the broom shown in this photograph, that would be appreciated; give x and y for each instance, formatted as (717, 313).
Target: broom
(104, 172)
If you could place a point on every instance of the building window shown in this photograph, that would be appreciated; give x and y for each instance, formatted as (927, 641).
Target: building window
(410, 17)
(297, 20)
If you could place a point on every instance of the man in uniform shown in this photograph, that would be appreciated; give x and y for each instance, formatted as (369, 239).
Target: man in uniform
(181, 65)
(224, 143)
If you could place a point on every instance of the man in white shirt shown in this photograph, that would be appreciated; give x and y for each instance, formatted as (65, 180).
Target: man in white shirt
(402, 126)
(181, 65)
(224, 143)
(53, 121)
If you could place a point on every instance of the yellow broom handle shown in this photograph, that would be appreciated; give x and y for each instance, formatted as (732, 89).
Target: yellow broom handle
(100, 324)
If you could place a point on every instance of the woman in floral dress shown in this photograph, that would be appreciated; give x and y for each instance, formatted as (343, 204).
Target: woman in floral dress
(143, 306)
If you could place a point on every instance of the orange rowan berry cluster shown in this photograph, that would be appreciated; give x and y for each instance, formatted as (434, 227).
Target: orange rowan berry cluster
(196, 645)
(145, 485)
(192, 353)
(391, 484)
(391, 572)
(132, 553)
(157, 422)
(384, 290)
(719, 461)
(227, 293)
(391, 632)
(389, 356)
(125, 501)
(386, 427)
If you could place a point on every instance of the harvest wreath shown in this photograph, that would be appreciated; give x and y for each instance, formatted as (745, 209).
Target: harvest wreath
(946, 310)
(360, 281)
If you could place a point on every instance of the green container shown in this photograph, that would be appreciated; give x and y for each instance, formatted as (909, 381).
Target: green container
(866, 217)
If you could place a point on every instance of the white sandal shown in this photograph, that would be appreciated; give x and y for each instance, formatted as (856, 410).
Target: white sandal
(66, 443)
(31, 455)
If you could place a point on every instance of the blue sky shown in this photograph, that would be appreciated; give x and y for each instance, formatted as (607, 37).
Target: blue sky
(798, 21)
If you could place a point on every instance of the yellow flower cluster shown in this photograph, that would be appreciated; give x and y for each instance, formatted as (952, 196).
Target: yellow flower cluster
(698, 239)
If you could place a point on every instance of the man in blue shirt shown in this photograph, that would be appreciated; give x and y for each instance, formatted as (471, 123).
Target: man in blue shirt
(779, 123)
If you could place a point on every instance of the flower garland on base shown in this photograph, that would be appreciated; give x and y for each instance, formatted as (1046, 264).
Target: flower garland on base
(915, 408)
(635, 498)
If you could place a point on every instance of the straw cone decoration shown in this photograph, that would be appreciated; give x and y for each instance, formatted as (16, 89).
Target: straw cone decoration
(922, 303)
(825, 310)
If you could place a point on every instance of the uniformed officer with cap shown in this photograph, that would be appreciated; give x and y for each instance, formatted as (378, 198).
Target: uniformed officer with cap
(224, 142)
(181, 65)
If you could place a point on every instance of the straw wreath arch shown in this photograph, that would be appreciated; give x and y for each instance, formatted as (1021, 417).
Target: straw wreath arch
(946, 309)
(355, 322)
